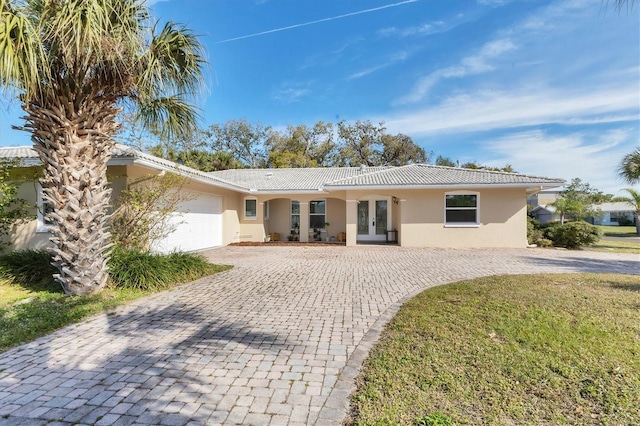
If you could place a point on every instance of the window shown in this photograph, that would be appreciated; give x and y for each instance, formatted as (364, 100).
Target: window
(295, 215)
(317, 210)
(44, 208)
(461, 209)
(250, 208)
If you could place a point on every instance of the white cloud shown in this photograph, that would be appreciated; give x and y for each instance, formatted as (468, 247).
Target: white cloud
(593, 157)
(391, 60)
(290, 93)
(476, 63)
(491, 110)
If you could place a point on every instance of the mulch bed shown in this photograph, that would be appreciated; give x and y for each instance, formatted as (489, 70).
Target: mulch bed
(285, 243)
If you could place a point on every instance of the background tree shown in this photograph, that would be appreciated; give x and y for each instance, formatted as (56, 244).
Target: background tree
(629, 168)
(634, 200)
(245, 141)
(75, 64)
(302, 146)
(579, 201)
(445, 161)
(369, 144)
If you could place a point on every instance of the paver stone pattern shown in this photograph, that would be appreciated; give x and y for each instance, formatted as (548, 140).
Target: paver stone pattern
(277, 340)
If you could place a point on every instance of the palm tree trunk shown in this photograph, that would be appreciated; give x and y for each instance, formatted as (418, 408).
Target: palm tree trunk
(73, 139)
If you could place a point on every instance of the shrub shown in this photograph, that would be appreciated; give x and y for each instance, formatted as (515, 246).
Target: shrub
(534, 233)
(573, 235)
(143, 270)
(29, 267)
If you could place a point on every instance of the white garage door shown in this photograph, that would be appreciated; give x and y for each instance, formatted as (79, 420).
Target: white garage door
(199, 224)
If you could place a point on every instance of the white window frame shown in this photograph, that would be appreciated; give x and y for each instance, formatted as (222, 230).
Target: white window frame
(292, 214)
(475, 224)
(322, 229)
(254, 217)
(42, 226)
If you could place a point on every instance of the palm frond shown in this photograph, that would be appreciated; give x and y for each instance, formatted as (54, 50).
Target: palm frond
(22, 58)
(170, 117)
(629, 168)
(174, 61)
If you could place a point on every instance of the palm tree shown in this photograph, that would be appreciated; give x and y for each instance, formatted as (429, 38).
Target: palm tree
(634, 200)
(75, 65)
(629, 168)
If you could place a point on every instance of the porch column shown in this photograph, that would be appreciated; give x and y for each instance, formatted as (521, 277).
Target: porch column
(304, 222)
(403, 220)
(352, 222)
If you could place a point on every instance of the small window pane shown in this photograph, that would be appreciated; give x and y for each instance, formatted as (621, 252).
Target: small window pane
(250, 208)
(295, 207)
(461, 200)
(468, 216)
(317, 207)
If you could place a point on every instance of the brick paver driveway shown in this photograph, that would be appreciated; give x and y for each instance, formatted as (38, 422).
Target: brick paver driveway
(277, 340)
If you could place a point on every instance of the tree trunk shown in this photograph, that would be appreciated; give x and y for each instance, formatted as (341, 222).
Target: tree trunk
(637, 217)
(73, 139)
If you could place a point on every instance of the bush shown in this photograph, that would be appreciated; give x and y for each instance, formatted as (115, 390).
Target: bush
(534, 233)
(29, 267)
(142, 270)
(573, 235)
(131, 269)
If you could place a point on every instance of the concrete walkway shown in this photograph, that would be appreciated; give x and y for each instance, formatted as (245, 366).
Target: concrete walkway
(277, 340)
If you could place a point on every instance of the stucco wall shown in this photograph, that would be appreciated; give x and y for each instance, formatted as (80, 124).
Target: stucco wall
(28, 236)
(502, 220)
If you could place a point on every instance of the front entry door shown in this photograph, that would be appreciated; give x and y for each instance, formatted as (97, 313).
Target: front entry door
(373, 218)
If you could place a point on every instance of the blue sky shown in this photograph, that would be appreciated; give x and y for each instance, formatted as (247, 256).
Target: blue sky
(550, 87)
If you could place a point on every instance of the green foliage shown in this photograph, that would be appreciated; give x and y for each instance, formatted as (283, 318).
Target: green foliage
(29, 266)
(445, 161)
(368, 144)
(534, 232)
(629, 168)
(528, 349)
(142, 270)
(578, 199)
(435, 419)
(13, 210)
(245, 141)
(144, 211)
(573, 235)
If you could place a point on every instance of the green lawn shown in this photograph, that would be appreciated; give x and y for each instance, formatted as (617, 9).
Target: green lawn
(615, 246)
(525, 350)
(618, 231)
(28, 311)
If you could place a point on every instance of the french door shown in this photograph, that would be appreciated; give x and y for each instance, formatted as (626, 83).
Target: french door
(374, 217)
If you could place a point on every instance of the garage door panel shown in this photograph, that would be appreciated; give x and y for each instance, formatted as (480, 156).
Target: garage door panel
(198, 225)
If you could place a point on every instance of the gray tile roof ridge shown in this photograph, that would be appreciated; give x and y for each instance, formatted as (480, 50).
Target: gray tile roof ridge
(499, 172)
(371, 173)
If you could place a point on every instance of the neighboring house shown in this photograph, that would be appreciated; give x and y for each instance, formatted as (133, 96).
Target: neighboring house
(415, 205)
(545, 214)
(613, 214)
(543, 198)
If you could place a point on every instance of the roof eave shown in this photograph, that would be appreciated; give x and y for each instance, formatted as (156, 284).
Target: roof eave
(530, 185)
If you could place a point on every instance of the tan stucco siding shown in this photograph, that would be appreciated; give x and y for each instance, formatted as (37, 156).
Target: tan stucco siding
(502, 220)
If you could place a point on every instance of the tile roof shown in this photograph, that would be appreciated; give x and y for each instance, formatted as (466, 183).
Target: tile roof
(321, 179)
(424, 175)
(310, 179)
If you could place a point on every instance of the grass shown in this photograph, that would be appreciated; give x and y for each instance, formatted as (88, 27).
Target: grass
(618, 231)
(33, 305)
(615, 247)
(525, 350)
